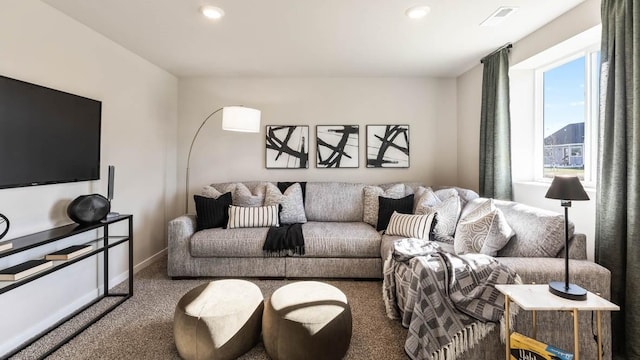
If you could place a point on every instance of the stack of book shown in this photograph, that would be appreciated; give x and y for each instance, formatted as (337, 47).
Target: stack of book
(25, 269)
(69, 252)
(6, 246)
(526, 348)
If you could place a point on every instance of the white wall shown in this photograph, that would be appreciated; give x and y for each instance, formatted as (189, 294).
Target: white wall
(139, 122)
(426, 104)
(576, 21)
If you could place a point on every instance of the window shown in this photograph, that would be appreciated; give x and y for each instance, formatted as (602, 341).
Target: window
(567, 117)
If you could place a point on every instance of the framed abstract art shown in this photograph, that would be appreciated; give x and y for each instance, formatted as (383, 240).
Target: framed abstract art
(287, 147)
(337, 146)
(387, 146)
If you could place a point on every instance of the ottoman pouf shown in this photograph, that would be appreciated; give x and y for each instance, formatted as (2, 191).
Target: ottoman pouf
(218, 320)
(307, 320)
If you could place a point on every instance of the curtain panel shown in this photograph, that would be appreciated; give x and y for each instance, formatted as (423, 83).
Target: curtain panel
(618, 195)
(495, 128)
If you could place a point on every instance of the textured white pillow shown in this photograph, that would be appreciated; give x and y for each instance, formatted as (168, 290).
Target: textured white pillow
(484, 230)
(447, 213)
(413, 226)
(253, 216)
(212, 192)
(291, 201)
(371, 206)
(242, 196)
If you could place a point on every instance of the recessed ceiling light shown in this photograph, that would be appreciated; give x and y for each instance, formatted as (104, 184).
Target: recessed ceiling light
(417, 12)
(212, 12)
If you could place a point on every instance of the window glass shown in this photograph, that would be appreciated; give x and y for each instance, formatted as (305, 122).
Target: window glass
(564, 119)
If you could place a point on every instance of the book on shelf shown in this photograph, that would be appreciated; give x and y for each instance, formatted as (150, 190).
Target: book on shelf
(27, 268)
(6, 246)
(69, 252)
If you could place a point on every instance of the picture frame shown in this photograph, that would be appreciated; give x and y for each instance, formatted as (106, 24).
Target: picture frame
(337, 146)
(287, 147)
(388, 146)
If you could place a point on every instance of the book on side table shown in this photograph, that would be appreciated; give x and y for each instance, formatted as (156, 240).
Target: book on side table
(69, 252)
(25, 269)
(6, 246)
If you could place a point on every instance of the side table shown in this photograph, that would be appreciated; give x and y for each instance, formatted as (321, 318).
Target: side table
(538, 298)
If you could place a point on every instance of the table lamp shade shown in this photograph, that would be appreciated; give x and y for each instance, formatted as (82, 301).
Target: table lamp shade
(566, 188)
(240, 118)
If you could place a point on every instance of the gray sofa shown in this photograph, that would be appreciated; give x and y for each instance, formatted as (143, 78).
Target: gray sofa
(338, 244)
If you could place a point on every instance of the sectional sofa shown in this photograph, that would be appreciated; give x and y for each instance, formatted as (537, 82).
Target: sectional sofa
(341, 241)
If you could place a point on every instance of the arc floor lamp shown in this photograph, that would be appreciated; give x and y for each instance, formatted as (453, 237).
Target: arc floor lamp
(234, 118)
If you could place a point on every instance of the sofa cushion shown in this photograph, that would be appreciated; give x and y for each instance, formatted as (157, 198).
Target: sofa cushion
(334, 201)
(483, 230)
(413, 226)
(387, 206)
(253, 216)
(539, 232)
(210, 212)
(242, 242)
(292, 210)
(371, 202)
(340, 239)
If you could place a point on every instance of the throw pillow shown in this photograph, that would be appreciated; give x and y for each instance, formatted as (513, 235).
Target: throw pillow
(388, 206)
(242, 196)
(447, 214)
(291, 201)
(483, 230)
(210, 212)
(413, 226)
(284, 185)
(215, 192)
(253, 216)
(370, 204)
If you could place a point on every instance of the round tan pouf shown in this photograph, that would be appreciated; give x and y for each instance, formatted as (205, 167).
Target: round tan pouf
(218, 320)
(307, 320)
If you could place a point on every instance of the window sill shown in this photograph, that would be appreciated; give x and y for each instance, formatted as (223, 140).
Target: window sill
(588, 187)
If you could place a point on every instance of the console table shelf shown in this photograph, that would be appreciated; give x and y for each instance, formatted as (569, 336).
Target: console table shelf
(99, 245)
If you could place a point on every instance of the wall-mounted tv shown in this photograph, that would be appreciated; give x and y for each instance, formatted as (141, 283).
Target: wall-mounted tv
(47, 136)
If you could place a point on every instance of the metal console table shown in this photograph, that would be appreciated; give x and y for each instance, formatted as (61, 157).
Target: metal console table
(100, 246)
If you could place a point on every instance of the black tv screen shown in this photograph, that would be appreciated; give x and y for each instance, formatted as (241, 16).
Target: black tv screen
(47, 136)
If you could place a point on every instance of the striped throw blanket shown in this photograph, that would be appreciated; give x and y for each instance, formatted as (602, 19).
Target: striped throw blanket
(448, 302)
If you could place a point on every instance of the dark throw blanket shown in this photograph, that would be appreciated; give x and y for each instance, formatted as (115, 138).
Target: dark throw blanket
(284, 240)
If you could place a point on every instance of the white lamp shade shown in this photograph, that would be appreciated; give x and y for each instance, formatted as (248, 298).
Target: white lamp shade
(240, 118)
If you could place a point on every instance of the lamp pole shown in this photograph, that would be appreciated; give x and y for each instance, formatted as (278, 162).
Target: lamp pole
(186, 200)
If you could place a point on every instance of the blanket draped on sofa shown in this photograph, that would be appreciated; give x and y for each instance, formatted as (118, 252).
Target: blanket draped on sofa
(284, 240)
(448, 302)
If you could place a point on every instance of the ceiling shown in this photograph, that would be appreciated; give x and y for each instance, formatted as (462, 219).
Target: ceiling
(311, 37)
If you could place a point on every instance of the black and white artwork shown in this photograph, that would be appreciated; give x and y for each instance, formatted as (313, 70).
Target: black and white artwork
(387, 146)
(337, 146)
(287, 147)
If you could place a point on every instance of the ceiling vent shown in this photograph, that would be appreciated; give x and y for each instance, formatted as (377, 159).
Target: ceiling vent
(499, 16)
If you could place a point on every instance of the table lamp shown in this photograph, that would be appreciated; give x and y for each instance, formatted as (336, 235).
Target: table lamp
(566, 189)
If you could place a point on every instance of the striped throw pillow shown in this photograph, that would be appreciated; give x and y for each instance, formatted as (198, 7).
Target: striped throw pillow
(413, 226)
(253, 216)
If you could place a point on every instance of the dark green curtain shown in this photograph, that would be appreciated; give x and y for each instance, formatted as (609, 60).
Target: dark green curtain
(495, 127)
(618, 198)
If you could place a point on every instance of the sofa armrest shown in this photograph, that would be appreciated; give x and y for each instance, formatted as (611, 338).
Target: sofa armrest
(584, 273)
(577, 247)
(180, 231)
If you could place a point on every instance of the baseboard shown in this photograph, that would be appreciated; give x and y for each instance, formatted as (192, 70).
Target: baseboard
(150, 260)
(14, 342)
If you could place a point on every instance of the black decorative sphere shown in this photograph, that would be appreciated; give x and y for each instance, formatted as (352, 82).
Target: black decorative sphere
(88, 209)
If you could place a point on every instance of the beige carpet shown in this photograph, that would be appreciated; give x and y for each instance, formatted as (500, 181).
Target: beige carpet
(141, 328)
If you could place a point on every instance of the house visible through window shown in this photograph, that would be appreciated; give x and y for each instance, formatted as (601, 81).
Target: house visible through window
(568, 104)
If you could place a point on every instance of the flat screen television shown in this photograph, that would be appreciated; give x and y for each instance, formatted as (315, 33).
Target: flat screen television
(47, 136)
